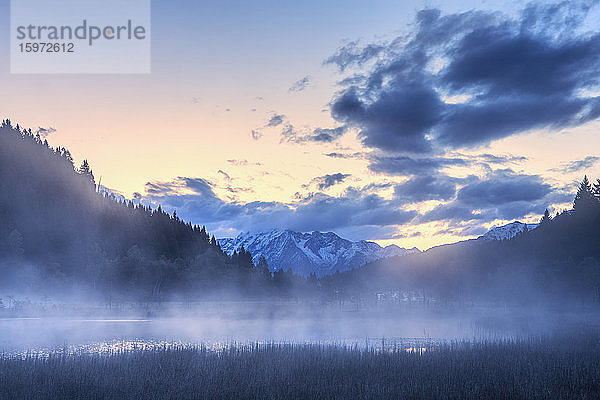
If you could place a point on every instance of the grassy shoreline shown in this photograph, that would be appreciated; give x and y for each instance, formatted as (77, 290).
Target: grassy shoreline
(525, 369)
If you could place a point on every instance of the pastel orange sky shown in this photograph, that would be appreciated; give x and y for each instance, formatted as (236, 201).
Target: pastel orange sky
(222, 71)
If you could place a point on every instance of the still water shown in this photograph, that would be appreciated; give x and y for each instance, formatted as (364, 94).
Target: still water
(102, 335)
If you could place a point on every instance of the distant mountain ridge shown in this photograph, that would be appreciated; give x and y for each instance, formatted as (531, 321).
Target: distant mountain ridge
(507, 231)
(305, 253)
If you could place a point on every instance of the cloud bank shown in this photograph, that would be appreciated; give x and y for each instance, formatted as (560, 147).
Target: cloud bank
(465, 80)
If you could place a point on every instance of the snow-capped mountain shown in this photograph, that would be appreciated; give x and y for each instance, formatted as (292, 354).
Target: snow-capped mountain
(506, 231)
(304, 253)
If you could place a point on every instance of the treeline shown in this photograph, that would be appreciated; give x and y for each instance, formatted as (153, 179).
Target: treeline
(558, 263)
(60, 232)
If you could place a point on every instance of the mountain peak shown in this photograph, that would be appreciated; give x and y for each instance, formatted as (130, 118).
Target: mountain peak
(316, 252)
(507, 231)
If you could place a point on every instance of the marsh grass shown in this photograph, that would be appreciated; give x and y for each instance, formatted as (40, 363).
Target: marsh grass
(510, 369)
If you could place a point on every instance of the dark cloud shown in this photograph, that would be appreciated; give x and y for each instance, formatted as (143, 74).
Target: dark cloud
(578, 165)
(300, 85)
(194, 200)
(244, 163)
(329, 180)
(326, 134)
(225, 174)
(357, 155)
(45, 132)
(290, 134)
(464, 80)
(354, 208)
(502, 194)
(423, 188)
(232, 189)
(427, 182)
(180, 188)
(356, 79)
(376, 187)
(319, 135)
(398, 120)
(407, 166)
(352, 54)
(501, 159)
(467, 204)
(503, 187)
(198, 185)
(275, 120)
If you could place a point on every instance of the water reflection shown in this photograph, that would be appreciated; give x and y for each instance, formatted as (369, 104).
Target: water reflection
(408, 345)
(411, 333)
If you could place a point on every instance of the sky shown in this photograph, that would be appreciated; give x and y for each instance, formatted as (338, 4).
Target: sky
(416, 123)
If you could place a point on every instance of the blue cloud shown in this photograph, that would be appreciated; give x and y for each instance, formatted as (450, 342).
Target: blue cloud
(327, 181)
(426, 187)
(275, 120)
(502, 194)
(408, 166)
(195, 200)
(464, 80)
(578, 165)
(300, 85)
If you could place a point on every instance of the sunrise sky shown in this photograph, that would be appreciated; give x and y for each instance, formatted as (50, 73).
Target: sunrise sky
(407, 122)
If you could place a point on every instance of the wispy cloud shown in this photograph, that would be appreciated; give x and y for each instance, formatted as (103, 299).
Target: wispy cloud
(195, 200)
(45, 132)
(274, 121)
(578, 165)
(300, 85)
(327, 181)
(244, 163)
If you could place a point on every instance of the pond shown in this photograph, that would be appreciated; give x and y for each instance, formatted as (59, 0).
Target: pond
(19, 335)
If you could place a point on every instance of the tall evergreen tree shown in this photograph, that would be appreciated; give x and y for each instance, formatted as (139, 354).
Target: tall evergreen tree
(585, 201)
(546, 218)
(596, 189)
(86, 171)
(263, 267)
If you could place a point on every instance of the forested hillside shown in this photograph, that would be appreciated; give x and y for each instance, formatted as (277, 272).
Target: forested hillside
(58, 232)
(556, 263)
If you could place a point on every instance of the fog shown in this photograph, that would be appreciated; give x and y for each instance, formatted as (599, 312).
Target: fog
(34, 326)
(79, 267)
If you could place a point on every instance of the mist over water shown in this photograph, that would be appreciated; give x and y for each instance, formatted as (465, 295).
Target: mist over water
(215, 325)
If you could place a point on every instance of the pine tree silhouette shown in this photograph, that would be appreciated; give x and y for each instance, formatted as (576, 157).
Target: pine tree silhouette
(596, 189)
(585, 201)
(86, 171)
(546, 218)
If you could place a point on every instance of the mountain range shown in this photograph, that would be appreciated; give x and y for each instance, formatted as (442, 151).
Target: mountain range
(325, 253)
(306, 253)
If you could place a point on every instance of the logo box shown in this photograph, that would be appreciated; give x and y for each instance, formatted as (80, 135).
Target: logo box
(75, 36)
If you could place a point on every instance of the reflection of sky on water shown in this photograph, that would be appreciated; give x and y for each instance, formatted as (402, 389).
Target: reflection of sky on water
(114, 347)
(93, 335)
